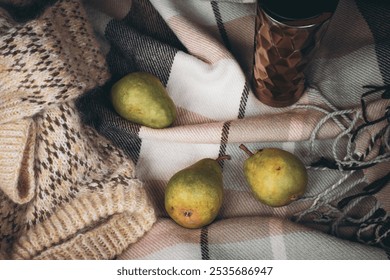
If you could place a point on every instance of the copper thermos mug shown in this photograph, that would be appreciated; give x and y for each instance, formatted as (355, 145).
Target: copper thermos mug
(288, 32)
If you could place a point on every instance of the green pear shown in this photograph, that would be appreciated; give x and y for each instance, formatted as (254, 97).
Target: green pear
(275, 176)
(193, 195)
(140, 97)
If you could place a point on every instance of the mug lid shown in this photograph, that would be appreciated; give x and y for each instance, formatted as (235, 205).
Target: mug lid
(297, 9)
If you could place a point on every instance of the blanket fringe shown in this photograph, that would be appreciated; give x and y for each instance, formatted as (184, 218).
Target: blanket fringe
(373, 227)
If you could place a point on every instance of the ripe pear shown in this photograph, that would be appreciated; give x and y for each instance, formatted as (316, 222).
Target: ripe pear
(275, 176)
(140, 97)
(193, 195)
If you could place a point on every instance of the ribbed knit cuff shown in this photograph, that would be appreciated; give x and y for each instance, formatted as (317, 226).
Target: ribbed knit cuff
(17, 142)
(98, 225)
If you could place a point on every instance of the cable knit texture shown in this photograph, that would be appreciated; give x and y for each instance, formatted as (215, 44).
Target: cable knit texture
(65, 191)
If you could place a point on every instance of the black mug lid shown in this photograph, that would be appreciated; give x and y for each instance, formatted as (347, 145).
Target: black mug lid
(297, 9)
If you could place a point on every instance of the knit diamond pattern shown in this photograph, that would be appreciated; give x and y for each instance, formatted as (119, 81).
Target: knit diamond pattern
(65, 191)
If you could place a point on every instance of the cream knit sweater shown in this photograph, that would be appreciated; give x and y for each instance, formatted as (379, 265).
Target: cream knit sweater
(65, 192)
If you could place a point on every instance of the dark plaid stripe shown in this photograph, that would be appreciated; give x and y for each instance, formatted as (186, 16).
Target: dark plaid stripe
(142, 42)
(220, 25)
(376, 14)
(244, 99)
(119, 64)
(144, 52)
(204, 243)
(146, 20)
(224, 140)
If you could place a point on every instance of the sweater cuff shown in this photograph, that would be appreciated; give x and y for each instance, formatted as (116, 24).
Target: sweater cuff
(94, 226)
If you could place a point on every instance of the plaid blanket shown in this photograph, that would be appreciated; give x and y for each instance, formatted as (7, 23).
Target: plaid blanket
(203, 53)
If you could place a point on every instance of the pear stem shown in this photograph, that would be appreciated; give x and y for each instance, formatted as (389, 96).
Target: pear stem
(246, 150)
(224, 157)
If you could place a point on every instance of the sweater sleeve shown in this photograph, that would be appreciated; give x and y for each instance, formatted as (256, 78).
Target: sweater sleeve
(49, 60)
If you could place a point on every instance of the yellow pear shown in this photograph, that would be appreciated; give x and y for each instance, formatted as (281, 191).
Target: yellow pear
(140, 97)
(193, 196)
(275, 176)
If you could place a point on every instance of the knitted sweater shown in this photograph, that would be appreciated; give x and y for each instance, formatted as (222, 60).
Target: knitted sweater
(65, 191)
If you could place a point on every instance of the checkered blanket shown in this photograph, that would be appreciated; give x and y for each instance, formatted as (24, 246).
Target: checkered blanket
(202, 51)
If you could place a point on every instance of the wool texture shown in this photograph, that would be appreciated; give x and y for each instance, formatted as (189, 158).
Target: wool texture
(65, 191)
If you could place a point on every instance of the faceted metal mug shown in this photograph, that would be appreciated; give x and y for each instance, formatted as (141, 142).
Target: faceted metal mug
(288, 32)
